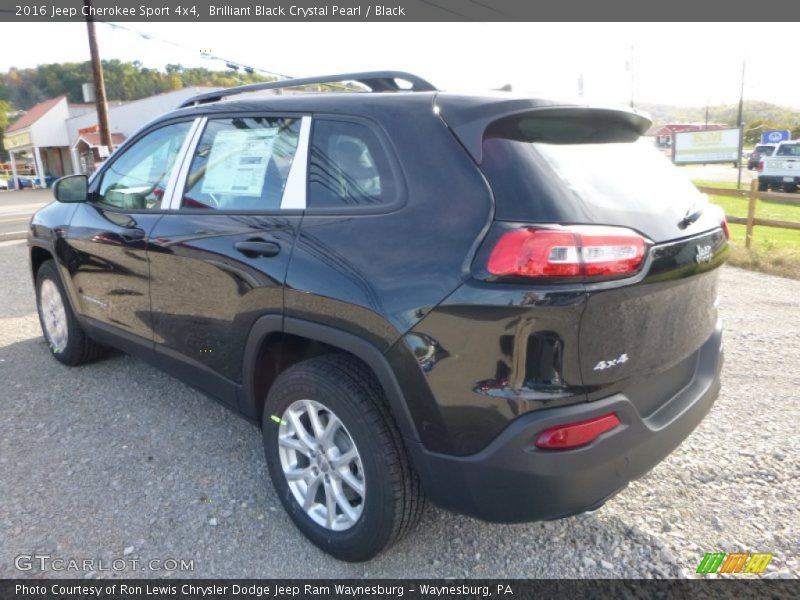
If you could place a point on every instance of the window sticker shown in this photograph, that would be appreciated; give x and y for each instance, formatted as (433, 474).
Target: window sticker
(238, 162)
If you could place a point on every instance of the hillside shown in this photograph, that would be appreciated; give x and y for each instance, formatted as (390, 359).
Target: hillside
(758, 116)
(22, 88)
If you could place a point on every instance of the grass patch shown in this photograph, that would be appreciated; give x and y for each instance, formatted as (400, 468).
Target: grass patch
(727, 185)
(773, 250)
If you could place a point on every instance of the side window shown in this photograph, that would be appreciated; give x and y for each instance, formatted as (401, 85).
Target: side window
(349, 167)
(137, 178)
(242, 164)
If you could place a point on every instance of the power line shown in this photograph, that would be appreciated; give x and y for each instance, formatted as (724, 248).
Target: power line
(232, 65)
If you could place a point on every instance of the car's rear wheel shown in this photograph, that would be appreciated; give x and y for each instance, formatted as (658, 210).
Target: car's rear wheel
(68, 343)
(762, 186)
(337, 460)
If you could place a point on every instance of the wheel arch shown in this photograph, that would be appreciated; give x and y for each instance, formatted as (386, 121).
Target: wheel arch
(38, 255)
(332, 339)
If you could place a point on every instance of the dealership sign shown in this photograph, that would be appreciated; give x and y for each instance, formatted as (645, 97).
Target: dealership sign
(13, 141)
(718, 145)
(773, 137)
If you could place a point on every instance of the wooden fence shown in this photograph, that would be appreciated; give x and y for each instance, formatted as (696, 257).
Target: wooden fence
(753, 196)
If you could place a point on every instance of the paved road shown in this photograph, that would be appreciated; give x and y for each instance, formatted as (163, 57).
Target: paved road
(717, 172)
(117, 460)
(16, 209)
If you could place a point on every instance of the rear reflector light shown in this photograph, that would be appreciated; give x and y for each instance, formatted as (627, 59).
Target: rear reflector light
(567, 252)
(573, 435)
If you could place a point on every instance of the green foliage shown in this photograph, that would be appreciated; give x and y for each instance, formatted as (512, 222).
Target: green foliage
(22, 88)
(758, 116)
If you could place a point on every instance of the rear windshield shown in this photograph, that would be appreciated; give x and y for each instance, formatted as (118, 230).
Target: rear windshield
(605, 183)
(768, 150)
(788, 150)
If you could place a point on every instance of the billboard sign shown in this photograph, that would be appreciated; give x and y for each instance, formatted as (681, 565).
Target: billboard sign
(773, 137)
(718, 145)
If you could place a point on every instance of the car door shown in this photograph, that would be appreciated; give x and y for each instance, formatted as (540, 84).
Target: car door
(105, 245)
(219, 258)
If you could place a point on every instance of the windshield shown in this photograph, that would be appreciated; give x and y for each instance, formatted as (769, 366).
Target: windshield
(768, 150)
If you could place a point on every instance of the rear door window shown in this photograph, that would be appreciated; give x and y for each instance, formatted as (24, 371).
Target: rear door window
(348, 167)
(242, 163)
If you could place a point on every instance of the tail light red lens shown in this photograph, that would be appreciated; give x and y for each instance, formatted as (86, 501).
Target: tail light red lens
(760, 166)
(574, 435)
(584, 251)
(725, 229)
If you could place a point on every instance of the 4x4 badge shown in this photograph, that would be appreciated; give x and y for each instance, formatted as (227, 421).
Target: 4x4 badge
(607, 364)
(703, 254)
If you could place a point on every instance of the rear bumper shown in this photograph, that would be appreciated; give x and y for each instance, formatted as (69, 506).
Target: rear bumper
(512, 481)
(779, 179)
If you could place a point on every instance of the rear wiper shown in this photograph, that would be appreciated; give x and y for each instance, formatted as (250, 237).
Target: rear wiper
(690, 218)
(693, 212)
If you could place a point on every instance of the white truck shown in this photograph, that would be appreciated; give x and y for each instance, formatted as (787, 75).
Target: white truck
(782, 169)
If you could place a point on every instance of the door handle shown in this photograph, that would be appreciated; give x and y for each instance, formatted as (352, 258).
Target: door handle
(253, 248)
(133, 234)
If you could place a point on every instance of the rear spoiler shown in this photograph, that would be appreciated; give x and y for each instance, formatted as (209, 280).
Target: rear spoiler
(536, 120)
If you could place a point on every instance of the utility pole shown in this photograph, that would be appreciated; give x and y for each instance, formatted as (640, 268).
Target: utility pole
(99, 82)
(739, 118)
(631, 66)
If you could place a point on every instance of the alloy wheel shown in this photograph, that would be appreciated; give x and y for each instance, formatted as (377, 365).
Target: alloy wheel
(321, 464)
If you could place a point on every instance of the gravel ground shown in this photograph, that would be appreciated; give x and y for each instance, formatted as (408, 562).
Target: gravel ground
(117, 460)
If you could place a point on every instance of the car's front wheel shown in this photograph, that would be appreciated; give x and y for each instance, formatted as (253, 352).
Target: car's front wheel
(337, 460)
(68, 343)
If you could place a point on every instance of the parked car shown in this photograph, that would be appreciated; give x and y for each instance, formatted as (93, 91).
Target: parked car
(416, 294)
(3, 184)
(760, 151)
(782, 169)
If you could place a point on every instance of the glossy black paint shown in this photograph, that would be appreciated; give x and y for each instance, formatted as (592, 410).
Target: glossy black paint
(207, 293)
(402, 260)
(510, 480)
(512, 349)
(471, 367)
(108, 266)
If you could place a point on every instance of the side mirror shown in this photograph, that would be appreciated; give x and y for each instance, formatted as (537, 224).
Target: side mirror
(72, 188)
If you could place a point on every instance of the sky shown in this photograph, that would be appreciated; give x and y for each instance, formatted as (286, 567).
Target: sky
(673, 63)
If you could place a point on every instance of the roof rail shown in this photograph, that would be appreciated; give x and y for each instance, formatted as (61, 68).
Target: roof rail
(376, 81)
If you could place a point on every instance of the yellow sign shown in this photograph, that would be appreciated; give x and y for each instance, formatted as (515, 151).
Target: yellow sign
(707, 138)
(17, 140)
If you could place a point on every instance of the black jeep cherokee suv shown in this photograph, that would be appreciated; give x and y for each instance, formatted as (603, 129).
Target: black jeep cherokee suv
(415, 293)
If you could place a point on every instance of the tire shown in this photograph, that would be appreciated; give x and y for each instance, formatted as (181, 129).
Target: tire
(790, 189)
(67, 341)
(390, 503)
(762, 186)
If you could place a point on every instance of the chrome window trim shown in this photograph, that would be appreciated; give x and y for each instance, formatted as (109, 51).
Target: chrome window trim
(177, 181)
(294, 192)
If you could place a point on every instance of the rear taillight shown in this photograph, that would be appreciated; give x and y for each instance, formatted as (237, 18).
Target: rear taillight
(579, 251)
(573, 435)
(725, 229)
(760, 166)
